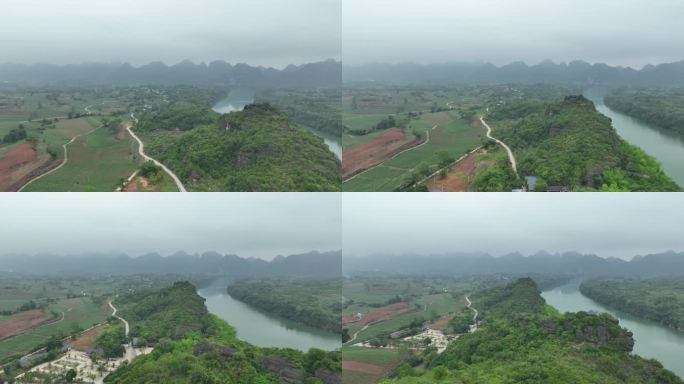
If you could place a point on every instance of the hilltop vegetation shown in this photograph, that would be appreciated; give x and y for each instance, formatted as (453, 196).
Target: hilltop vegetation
(661, 107)
(192, 346)
(660, 300)
(570, 144)
(317, 109)
(257, 149)
(521, 339)
(312, 302)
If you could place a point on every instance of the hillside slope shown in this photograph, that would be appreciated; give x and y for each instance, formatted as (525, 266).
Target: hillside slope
(257, 149)
(571, 144)
(522, 340)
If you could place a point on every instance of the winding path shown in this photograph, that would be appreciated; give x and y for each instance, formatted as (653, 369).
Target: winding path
(130, 351)
(474, 310)
(510, 153)
(357, 333)
(141, 151)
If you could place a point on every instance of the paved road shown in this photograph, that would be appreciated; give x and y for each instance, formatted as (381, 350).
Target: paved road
(510, 153)
(141, 151)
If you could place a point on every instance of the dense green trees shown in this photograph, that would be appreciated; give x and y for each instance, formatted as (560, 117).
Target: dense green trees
(571, 144)
(111, 342)
(522, 340)
(15, 135)
(660, 300)
(196, 347)
(312, 302)
(661, 107)
(257, 149)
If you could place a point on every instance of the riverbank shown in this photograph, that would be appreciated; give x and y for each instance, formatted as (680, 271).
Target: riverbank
(652, 340)
(263, 329)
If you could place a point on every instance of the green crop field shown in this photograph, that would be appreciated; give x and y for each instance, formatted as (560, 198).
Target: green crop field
(79, 312)
(97, 161)
(456, 137)
(355, 377)
(370, 356)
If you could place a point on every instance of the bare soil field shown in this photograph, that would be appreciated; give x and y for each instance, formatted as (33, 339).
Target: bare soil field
(382, 314)
(87, 339)
(458, 178)
(375, 152)
(372, 369)
(25, 322)
(20, 164)
(140, 184)
(441, 323)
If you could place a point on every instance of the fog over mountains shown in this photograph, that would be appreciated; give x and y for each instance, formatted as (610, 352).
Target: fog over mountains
(208, 264)
(668, 263)
(573, 73)
(217, 73)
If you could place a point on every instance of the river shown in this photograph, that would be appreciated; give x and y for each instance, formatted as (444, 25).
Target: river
(652, 340)
(260, 328)
(666, 146)
(238, 98)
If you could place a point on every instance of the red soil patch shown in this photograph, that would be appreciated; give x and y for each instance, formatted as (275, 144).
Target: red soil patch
(375, 152)
(87, 339)
(25, 322)
(20, 164)
(441, 323)
(377, 370)
(458, 178)
(382, 314)
(140, 184)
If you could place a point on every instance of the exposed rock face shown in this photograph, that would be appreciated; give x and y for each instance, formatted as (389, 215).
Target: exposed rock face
(600, 330)
(287, 372)
(329, 377)
(225, 352)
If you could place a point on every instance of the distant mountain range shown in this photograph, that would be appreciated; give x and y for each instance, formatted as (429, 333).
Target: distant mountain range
(573, 73)
(208, 264)
(569, 263)
(217, 73)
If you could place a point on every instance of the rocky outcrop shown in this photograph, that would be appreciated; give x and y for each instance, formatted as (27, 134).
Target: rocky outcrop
(287, 372)
(223, 351)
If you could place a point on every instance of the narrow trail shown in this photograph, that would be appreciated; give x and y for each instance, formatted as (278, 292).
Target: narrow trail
(357, 333)
(427, 140)
(141, 152)
(511, 158)
(473, 309)
(64, 160)
(130, 351)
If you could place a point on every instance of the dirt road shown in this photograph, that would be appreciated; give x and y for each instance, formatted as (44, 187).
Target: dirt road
(510, 153)
(141, 151)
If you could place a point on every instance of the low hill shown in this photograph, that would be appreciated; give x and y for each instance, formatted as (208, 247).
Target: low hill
(571, 144)
(523, 340)
(257, 149)
(210, 264)
(192, 346)
(567, 263)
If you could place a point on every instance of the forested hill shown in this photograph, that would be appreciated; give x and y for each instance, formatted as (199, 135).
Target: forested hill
(217, 73)
(523, 340)
(312, 302)
(192, 346)
(210, 264)
(660, 300)
(574, 73)
(568, 263)
(571, 144)
(256, 149)
(660, 107)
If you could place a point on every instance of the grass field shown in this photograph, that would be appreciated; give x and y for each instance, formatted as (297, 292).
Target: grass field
(354, 377)
(370, 356)
(452, 135)
(78, 312)
(97, 161)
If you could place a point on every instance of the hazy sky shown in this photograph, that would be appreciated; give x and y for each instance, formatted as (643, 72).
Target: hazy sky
(248, 224)
(619, 225)
(618, 32)
(263, 32)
